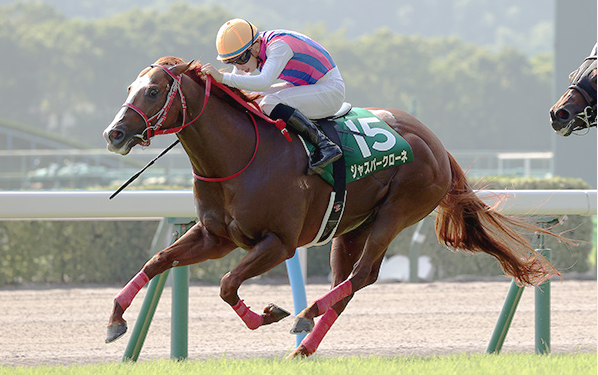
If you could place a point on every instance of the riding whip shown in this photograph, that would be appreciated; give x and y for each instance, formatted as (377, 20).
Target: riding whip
(134, 177)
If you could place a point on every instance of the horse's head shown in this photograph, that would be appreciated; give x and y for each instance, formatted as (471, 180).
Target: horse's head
(146, 110)
(576, 109)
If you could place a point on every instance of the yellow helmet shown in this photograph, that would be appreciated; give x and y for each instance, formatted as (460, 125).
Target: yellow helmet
(234, 37)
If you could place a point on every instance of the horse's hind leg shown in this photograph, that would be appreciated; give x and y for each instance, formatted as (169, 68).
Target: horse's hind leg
(267, 254)
(388, 223)
(344, 253)
(195, 246)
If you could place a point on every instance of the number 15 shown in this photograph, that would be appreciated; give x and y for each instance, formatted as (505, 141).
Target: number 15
(388, 144)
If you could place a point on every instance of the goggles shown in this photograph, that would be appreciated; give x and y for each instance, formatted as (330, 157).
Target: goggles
(242, 59)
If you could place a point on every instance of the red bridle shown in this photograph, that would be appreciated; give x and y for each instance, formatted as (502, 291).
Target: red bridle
(162, 114)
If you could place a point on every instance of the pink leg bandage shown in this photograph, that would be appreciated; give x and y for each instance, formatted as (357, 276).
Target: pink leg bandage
(341, 291)
(130, 290)
(313, 340)
(251, 319)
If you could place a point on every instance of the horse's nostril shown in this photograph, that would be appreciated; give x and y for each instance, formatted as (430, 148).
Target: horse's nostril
(116, 136)
(562, 114)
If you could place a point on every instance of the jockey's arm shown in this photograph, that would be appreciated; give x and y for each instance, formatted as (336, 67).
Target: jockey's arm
(278, 55)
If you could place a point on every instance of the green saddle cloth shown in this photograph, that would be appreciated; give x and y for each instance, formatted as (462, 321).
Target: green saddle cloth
(379, 147)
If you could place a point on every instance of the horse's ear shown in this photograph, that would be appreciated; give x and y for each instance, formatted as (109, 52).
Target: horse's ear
(181, 68)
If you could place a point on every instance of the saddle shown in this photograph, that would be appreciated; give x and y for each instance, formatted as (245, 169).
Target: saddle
(336, 202)
(345, 108)
(369, 145)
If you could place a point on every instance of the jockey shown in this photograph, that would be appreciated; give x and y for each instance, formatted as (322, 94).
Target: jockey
(312, 85)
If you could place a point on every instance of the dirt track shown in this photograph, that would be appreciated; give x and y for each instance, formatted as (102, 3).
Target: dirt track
(67, 325)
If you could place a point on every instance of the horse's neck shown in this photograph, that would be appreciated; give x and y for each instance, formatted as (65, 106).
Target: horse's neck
(221, 140)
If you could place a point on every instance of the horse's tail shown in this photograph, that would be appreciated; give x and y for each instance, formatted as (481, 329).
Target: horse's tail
(465, 222)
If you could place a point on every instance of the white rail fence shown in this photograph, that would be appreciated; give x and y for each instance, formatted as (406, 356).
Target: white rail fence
(153, 205)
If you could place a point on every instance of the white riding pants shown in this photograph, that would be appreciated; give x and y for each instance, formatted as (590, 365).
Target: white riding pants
(322, 99)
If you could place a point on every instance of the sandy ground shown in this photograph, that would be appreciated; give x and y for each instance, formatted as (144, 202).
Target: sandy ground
(66, 325)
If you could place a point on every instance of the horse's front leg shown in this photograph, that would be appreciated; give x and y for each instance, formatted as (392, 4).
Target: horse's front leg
(267, 254)
(195, 246)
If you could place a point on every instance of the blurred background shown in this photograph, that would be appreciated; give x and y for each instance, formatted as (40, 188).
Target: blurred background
(481, 74)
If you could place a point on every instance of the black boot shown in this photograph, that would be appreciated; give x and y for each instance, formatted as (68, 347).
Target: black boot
(326, 151)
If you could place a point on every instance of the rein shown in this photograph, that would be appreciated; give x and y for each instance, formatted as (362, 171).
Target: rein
(162, 114)
(221, 179)
(254, 110)
(279, 123)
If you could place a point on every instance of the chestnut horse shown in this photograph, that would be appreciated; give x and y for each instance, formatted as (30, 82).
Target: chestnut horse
(576, 109)
(273, 206)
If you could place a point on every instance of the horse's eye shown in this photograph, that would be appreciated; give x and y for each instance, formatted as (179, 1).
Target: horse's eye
(153, 92)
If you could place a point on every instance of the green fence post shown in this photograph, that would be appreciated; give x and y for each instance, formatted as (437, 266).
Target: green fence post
(152, 297)
(505, 318)
(144, 319)
(506, 315)
(150, 301)
(179, 324)
(542, 307)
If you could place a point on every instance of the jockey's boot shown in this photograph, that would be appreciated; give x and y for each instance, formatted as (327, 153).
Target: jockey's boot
(326, 151)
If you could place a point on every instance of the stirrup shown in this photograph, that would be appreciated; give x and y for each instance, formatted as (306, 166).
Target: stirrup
(317, 167)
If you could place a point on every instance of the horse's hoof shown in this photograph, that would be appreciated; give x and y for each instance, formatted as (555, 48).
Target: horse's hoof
(115, 331)
(301, 326)
(299, 352)
(278, 312)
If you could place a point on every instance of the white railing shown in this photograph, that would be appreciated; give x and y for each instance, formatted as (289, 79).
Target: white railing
(152, 205)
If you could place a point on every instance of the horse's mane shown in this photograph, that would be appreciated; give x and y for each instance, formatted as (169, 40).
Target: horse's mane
(194, 74)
